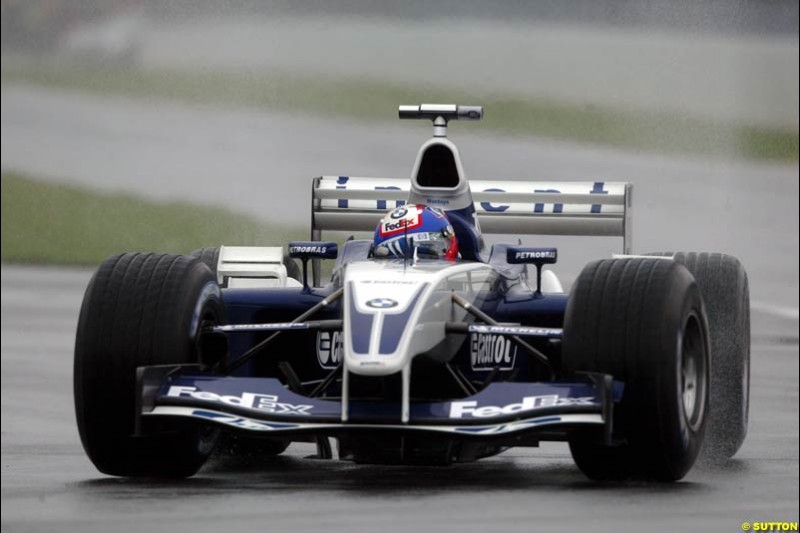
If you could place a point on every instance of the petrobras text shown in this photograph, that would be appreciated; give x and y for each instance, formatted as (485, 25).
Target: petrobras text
(517, 255)
(536, 254)
(308, 249)
(320, 249)
(249, 400)
(470, 409)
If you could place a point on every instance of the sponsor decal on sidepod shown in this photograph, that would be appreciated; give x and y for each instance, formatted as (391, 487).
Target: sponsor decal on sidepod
(250, 400)
(471, 409)
(489, 351)
(329, 348)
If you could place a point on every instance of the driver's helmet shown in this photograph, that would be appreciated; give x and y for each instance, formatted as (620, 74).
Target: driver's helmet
(419, 229)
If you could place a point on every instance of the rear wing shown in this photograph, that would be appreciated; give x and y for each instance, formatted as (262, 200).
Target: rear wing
(343, 203)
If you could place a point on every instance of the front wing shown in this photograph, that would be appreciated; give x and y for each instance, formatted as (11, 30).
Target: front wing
(265, 405)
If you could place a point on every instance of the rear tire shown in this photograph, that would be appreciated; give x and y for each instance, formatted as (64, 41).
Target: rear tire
(208, 256)
(726, 293)
(642, 321)
(140, 309)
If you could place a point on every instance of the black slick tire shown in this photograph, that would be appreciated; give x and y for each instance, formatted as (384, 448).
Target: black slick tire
(643, 322)
(726, 293)
(140, 309)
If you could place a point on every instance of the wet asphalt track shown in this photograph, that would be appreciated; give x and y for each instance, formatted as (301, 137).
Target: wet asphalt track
(171, 151)
(48, 483)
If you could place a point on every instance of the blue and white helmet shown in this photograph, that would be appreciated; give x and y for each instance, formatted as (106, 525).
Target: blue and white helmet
(427, 228)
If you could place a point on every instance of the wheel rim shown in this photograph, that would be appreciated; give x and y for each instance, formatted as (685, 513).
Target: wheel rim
(693, 372)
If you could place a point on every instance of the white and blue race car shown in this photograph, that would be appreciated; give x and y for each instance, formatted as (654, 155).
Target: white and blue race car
(410, 358)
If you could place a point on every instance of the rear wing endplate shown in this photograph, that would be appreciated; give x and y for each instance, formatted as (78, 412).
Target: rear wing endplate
(343, 203)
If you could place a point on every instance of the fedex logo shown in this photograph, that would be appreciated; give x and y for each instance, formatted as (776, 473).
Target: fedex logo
(249, 400)
(470, 409)
(400, 221)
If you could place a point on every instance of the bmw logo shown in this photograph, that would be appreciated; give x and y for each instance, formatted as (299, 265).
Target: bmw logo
(399, 212)
(382, 303)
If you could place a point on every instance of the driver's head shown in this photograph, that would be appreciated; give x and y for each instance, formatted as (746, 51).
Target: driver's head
(425, 228)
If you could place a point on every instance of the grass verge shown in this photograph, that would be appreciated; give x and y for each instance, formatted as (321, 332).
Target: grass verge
(369, 100)
(51, 223)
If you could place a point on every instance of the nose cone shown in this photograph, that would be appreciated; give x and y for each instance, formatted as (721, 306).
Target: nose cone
(375, 327)
(378, 321)
(393, 311)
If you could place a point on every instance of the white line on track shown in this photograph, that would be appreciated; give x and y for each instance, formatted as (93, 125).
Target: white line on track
(779, 311)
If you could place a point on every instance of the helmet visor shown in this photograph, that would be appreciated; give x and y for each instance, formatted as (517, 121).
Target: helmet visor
(430, 245)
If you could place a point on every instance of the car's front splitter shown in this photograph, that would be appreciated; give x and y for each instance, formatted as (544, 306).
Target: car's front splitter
(266, 405)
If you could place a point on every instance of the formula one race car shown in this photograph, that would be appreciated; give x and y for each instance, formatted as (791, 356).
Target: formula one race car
(425, 346)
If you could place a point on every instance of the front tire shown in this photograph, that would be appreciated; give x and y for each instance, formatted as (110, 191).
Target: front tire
(643, 321)
(140, 309)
